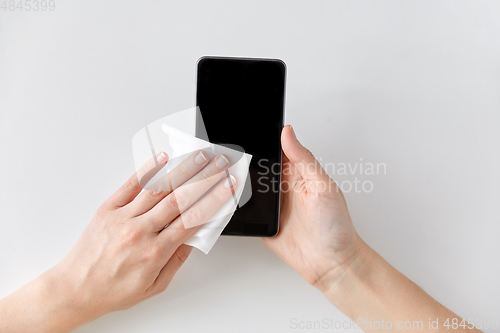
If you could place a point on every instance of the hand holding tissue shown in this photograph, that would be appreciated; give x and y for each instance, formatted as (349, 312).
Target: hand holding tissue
(175, 135)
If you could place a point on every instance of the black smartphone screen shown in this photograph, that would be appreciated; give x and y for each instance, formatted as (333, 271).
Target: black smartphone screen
(241, 102)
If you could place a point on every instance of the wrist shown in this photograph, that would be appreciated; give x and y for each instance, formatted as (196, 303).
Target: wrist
(65, 308)
(43, 305)
(355, 281)
(370, 290)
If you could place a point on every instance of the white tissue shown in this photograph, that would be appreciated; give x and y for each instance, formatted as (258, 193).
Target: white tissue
(175, 135)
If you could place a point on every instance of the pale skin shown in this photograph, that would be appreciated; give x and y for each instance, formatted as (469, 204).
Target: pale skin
(133, 247)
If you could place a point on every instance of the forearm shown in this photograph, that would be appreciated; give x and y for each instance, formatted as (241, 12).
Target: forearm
(370, 291)
(43, 305)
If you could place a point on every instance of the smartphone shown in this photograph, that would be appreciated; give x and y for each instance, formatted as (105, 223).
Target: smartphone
(241, 102)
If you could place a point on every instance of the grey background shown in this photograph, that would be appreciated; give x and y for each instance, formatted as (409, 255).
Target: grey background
(412, 84)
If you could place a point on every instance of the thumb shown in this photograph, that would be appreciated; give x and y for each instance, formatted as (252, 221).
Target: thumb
(305, 162)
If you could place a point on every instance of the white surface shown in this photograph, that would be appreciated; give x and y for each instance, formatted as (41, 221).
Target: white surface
(413, 84)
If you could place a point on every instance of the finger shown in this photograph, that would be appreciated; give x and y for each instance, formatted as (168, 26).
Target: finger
(133, 186)
(166, 184)
(303, 160)
(171, 267)
(183, 197)
(185, 225)
(284, 158)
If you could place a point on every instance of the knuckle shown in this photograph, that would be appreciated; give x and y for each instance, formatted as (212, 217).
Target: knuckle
(175, 236)
(177, 200)
(131, 236)
(172, 200)
(155, 254)
(192, 217)
(100, 214)
(309, 156)
(155, 194)
(131, 183)
(205, 175)
(183, 170)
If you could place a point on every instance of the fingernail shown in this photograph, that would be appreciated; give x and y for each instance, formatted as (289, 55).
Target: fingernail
(200, 158)
(293, 132)
(162, 157)
(222, 161)
(230, 181)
